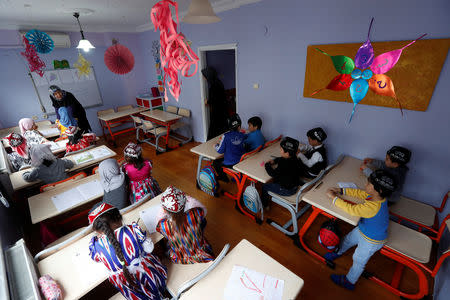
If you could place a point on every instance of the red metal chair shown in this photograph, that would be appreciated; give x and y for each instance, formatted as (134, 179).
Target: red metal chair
(269, 143)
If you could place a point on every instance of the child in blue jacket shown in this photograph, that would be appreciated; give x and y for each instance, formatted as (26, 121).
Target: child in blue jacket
(254, 138)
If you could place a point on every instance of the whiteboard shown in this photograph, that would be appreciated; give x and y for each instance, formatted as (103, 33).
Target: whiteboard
(84, 88)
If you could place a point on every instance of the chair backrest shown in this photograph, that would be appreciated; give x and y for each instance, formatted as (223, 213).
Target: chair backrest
(248, 154)
(53, 185)
(187, 285)
(95, 170)
(184, 112)
(137, 121)
(267, 144)
(124, 107)
(105, 112)
(43, 123)
(172, 109)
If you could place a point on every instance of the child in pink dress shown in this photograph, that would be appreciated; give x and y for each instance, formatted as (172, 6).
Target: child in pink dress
(139, 172)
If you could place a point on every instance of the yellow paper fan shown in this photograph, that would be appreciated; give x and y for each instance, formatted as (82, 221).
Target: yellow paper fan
(83, 65)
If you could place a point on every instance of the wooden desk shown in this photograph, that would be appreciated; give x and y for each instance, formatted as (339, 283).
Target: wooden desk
(42, 207)
(6, 131)
(346, 171)
(116, 118)
(162, 118)
(206, 151)
(19, 183)
(247, 255)
(79, 276)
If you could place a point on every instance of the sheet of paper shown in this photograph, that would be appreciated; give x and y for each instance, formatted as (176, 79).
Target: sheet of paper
(351, 185)
(251, 285)
(99, 152)
(82, 157)
(90, 190)
(38, 80)
(49, 132)
(53, 146)
(67, 199)
(150, 217)
(91, 272)
(75, 75)
(52, 77)
(66, 76)
(62, 143)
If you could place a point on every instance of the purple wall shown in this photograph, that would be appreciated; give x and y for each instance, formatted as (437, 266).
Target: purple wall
(224, 63)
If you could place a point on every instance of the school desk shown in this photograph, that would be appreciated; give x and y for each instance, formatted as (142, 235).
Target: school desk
(46, 130)
(42, 207)
(346, 171)
(75, 271)
(19, 183)
(247, 255)
(162, 118)
(118, 117)
(206, 151)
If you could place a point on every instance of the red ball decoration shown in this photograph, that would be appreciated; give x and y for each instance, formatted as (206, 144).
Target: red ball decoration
(119, 59)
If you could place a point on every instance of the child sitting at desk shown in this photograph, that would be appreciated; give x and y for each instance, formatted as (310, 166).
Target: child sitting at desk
(314, 158)
(126, 253)
(77, 140)
(113, 183)
(47, 167)
(395, 163)
(65, 119)
(372, 230)
(139, 172)
(28, 129)
(231, 146)
(19, 157)
(285, 170)
(182, 225)
(254, 138)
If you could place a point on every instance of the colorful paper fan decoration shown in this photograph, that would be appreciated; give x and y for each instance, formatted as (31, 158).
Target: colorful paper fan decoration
(372, 77)
(83, 65)
(119, 59)
(42, 41)
(35, 64)
(176, 53)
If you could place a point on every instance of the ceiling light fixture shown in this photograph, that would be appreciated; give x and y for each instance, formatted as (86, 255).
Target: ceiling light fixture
(200, 12)
(84, 43)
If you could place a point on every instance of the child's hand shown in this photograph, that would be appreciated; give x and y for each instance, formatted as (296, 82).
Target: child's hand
(271, 162)
(363, 166)
(331, 193)
(367, 160)
(336, 190)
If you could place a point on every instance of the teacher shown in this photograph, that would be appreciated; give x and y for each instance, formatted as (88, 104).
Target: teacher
(62, 98)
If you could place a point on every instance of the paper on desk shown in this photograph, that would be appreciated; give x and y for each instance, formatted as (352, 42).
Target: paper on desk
(99, 152)
(67, 199)
(90, 190)
(49, 131)
(251, 285)
(89, 271)
(150, 217)
(351, 185)
(83, 157)
(53, 146)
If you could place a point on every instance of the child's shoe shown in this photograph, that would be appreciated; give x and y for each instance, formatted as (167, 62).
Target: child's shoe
(342, 280)
(330, 256)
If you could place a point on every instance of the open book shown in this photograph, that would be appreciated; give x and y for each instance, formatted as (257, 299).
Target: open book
(81, 193)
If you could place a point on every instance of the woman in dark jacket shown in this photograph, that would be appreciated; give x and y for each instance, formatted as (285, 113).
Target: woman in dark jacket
(62, 98)
(217, 103)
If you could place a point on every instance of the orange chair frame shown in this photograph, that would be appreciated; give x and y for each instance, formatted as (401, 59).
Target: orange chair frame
(267, 144)
(62, 181)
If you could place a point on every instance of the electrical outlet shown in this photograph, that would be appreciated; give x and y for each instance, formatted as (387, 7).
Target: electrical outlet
(45, 116)
(256, 86)
(35, 117)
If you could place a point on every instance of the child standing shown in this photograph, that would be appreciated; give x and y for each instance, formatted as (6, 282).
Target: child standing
(47, 167)
(29, 131)
(182, 225)
(19, 158)
(285, 170)
(254, 138)
(314, 158)
(113, 183)
(139, 172)
(395, 163)
(126, 252)
(65, 119)
(231, 146)
(78, 140)
(372, 230)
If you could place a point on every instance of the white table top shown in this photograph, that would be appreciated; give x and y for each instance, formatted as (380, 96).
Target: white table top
(42, 207)
(19, 183)
(162, 116)
(346, 171)
(254, 165)
(6, 131)
(247, 255)
(207, 149)
(78, 277)
(121, 114)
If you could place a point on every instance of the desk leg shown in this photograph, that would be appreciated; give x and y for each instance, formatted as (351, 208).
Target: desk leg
(103, 128)
(111, 133)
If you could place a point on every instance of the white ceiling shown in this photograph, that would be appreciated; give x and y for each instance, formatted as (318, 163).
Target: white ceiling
(107, 15)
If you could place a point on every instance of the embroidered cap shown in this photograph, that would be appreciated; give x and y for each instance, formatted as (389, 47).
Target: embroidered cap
(99, 210)
(289, 145)
(234, 121)
(317, 134)
(15, 139)
(399, 154)
(132, 150)
(173, 199)
(382, 179)
(72, 130)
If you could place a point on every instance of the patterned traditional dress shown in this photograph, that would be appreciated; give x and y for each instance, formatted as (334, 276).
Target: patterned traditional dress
(188, 246)
(33, 137)
(141, 182)
(150, 274)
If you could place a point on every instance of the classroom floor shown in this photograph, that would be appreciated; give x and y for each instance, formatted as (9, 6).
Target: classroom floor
(226, 225)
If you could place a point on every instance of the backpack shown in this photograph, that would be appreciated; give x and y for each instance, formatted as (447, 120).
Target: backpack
(329, 235)
(252, 201)
(207, 180)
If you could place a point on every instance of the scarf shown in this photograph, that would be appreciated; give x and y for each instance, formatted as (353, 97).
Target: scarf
(25, 124)
(40, 152)
(110, 174)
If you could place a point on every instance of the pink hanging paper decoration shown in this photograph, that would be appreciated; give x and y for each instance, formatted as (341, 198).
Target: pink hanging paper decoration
(176, 53)
(34, 61)
(119, 59)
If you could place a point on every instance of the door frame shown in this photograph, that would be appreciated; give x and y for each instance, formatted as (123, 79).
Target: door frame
(202, 64)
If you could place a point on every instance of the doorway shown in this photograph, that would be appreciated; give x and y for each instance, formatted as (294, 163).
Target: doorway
(223, 58)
